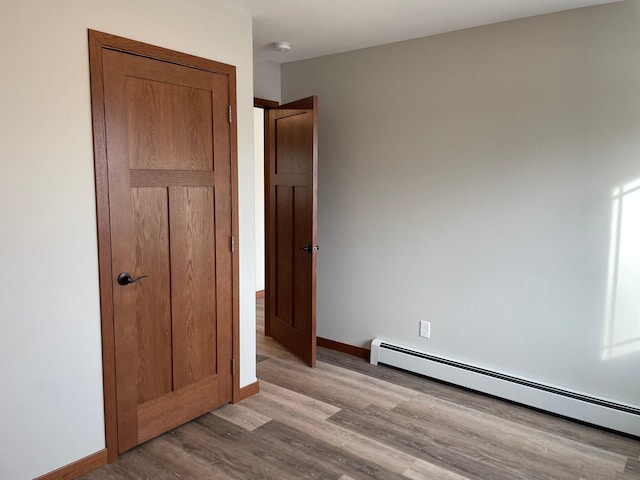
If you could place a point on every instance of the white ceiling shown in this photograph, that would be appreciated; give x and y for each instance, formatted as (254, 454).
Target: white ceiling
(322, 27)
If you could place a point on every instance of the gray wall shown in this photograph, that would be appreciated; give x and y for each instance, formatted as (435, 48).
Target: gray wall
(266, 78)
(469, 179)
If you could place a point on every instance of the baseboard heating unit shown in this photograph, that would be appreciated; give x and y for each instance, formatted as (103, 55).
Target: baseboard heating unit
(605, 413)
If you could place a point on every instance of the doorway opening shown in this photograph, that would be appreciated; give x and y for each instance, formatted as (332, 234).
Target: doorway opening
(258, 156)
(288, 217)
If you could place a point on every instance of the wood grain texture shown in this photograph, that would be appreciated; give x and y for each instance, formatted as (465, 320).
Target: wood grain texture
(302, 272)
(161, 115)
(421, 470)
(152, 295)
(284, 251)
(162, 178)
(277, 373)
(342, 386)
(123, 254)
(104, 243)
(291, 225)
(539, 420)
(163, 413)
(183, 143)
(293, 129)
(78, 468)
(241, 416)
(302, 425)
(317, 459)
(193, 282)
(633, 465)
(632, 470)
(313, 421)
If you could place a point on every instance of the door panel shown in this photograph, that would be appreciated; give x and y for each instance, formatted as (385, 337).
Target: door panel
(302, 273)
(170, 199)
(291, 181)
(284, 253)
(152, 299)
(193, 275)
(293, 139)
(169, 125)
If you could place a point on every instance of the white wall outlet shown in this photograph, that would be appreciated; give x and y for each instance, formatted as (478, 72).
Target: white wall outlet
(425, 329)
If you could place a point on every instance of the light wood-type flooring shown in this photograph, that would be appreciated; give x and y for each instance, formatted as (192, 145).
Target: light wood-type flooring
(348, 420)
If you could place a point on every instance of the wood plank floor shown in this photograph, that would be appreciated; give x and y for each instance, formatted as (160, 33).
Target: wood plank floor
(348, 420)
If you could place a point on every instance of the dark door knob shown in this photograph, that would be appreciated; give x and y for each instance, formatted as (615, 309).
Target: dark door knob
(309, 248)
(125, 278)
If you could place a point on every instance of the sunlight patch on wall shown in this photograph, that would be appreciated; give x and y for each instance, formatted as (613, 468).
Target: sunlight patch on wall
(622, 323)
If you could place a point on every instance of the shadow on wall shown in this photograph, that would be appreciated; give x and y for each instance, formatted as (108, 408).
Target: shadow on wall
(622, 320)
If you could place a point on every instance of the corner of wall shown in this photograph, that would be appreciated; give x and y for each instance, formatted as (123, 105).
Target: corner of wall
(266, 78)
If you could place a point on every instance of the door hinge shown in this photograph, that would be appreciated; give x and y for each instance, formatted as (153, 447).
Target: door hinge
(233, 366)
(233, 244)
(230, 114)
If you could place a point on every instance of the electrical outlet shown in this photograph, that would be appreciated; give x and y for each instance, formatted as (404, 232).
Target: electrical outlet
(425, 329)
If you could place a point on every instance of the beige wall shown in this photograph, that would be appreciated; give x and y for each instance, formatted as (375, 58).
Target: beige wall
(50, 360)
(468, 179)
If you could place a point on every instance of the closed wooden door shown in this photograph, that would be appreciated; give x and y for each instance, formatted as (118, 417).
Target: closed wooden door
(168, 152)
(291, 180)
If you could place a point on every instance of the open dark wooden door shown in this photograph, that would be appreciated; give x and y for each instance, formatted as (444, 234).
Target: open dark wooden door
(291, 248)
(168, 149)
